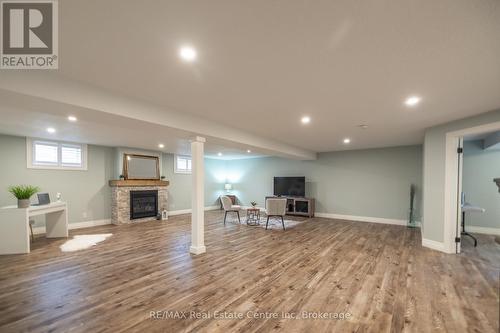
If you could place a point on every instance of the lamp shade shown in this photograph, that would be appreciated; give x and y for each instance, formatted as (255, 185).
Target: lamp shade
(228, 187)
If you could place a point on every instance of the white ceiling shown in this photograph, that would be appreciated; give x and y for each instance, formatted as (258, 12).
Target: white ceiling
(263, 64)
(30, 116)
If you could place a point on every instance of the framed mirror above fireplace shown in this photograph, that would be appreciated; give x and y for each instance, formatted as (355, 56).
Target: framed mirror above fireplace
(143, 167)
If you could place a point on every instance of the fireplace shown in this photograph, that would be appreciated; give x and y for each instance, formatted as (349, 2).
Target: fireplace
(143, 204)
(122, 204)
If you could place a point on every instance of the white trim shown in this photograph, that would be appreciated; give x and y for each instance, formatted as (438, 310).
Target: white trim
(364, 219)
(483, 230)
(491, 127)
(197, 196)
(77, 225)
(451, 193)
(179, 212)
(451, 180)
(431, 244)
(188, 211)
(354, 218)
(59, 166)
(95, 223)
(197, 249)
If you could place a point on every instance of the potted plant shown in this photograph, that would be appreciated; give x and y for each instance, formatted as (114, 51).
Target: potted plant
(122, 177)
(253, 203)
(23, 194)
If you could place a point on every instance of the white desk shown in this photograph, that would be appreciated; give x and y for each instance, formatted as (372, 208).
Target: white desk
(468, 208)
(14, 225)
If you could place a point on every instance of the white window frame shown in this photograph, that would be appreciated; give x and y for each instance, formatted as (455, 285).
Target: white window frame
(30, 151)
(182, 171)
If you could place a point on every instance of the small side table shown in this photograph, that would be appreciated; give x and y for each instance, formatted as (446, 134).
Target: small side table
(253, 216)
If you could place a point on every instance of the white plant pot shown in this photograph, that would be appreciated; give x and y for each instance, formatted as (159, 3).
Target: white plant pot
(23, 203)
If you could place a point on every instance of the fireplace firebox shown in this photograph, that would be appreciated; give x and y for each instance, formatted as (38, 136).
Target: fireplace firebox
(143, 204)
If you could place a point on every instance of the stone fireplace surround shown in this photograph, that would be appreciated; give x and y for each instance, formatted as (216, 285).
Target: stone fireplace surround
(120, 198)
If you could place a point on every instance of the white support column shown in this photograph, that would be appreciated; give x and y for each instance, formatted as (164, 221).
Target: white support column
(197, 196)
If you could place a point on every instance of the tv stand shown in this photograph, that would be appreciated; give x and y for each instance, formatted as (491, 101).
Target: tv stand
(298, 206)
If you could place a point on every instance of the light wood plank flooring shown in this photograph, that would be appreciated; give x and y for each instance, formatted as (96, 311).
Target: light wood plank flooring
(378, 274)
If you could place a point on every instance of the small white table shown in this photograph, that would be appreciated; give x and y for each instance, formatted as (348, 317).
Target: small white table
(14, 225)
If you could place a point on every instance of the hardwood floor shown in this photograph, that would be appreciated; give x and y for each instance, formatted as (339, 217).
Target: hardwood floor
(377, 274)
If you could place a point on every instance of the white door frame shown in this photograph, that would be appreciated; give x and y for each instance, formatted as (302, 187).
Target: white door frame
(458, 207)
(451, 180)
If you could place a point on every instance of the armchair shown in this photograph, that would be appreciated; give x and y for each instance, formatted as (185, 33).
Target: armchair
(228, 206)
(276, 207)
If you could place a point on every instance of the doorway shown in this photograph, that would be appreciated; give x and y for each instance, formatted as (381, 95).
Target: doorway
(462, 209)
(480, 194)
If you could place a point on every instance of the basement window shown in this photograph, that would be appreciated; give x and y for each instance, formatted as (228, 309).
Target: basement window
(182, 164)
(45, 154)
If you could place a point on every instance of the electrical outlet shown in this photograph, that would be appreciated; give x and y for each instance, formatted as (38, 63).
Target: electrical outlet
(84, 215)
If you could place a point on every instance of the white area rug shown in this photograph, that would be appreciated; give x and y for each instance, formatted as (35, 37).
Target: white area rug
(82, 242)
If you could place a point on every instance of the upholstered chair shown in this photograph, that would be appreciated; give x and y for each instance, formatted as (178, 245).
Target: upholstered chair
(276, 207)
(228, 206)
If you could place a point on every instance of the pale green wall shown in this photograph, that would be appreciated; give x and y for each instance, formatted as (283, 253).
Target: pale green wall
(179, 190)
(434, 171)
(371, 183)
(480, 168)
(86, 192)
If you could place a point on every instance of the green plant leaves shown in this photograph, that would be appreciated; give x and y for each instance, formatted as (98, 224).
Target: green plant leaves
(23, 191)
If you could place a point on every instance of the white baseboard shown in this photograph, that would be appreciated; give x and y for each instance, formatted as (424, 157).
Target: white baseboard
(354, 218)
(483, 230)
(197, 249)
(76, 225)
(188, 211)
(87, 224)
(364, 219)
(439, 246)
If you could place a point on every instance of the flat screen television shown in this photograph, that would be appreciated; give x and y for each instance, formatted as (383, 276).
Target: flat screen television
(290, 186)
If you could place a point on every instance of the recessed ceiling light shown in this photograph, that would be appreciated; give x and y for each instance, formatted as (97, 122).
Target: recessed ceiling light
(219, 154)
(412, 101)
(249, 151)
(72, 118)
(347, 140)
(305, 120)
(51, 130)
(187, 53)
(161, 145)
